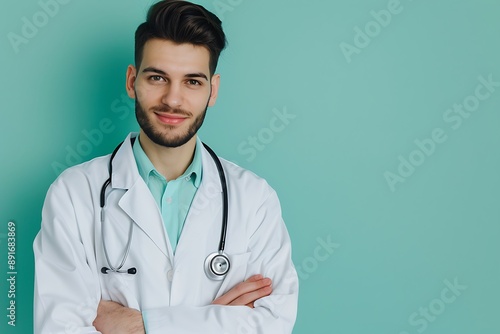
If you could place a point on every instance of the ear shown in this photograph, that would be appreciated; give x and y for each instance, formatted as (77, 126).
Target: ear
(215, 89)
(130, 81)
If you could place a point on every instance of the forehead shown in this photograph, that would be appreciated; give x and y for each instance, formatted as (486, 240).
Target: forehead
(176, 58)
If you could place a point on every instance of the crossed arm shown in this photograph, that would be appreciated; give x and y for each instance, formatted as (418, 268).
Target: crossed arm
(113, 317)
(67, 285)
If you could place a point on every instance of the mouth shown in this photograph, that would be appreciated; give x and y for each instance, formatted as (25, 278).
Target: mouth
(171, 119)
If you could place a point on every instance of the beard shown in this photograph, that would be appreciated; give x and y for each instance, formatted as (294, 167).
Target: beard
(162, 135)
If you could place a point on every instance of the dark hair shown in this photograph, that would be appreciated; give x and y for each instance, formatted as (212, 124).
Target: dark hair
(181, 22)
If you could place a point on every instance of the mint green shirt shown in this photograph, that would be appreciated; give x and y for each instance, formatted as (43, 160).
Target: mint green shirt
(173, 197)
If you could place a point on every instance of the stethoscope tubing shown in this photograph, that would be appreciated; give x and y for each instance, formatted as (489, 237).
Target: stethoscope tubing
(222, 177)
(209, 268)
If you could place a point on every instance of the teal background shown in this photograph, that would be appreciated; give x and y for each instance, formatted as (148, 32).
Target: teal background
(352, 122)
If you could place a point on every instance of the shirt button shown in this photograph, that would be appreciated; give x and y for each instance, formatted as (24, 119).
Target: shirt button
(169, 200)
(188, 178)
(170, 275)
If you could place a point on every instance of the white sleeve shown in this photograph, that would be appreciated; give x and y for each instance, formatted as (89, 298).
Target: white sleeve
(275, 314)
(66, 289)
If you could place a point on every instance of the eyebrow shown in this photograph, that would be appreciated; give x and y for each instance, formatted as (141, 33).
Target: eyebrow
(189, 75)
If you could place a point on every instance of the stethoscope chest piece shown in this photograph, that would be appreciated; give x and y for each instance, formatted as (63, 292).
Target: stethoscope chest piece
(216, 266)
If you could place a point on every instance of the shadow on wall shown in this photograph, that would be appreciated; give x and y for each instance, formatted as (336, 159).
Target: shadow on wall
(89, 113)
(106, 112)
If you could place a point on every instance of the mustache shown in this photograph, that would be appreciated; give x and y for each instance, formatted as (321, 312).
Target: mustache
(168, 109)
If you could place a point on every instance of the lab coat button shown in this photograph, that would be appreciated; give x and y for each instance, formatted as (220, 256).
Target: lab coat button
(170, 275)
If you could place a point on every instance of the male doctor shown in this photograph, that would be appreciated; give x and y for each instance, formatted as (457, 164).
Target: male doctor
(164, 197)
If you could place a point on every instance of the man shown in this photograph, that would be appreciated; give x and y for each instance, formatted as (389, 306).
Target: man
(124, 239)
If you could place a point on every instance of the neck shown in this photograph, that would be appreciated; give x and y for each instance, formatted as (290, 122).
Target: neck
(171, 162)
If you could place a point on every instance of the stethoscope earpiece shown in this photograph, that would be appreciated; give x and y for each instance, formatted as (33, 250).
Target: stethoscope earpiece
(131, 271)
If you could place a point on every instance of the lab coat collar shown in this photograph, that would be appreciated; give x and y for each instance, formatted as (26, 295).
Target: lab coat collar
(125, 172)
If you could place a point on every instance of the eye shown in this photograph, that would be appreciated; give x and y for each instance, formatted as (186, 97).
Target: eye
(194, 82)
(155, 78)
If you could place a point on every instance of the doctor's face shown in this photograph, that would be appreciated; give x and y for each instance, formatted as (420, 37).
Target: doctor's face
(172, 89)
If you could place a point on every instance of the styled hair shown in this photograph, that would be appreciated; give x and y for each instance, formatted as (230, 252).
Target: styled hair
(181, 22)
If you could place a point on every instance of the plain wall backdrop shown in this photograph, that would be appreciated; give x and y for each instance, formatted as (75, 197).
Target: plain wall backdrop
(377, 122)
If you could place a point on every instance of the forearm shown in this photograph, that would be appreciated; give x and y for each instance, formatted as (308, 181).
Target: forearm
(272, 315)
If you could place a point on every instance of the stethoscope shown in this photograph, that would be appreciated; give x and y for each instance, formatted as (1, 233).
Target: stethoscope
(216, 264)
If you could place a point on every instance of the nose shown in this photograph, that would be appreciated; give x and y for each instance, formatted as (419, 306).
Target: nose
(172, 95)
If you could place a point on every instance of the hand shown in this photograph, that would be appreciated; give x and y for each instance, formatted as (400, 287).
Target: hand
(116, 318)
(247, 292)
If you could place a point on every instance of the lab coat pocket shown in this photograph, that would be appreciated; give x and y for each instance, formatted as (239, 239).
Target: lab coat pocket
(236, 274)
(119, 287)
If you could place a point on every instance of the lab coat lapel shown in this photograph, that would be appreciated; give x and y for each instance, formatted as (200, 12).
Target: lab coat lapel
(138, 202)
(205, 213)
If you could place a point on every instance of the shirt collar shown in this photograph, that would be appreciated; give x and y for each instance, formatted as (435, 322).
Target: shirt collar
(146, 167)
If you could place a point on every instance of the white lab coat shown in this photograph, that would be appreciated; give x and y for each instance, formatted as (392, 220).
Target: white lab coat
(173, 292)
